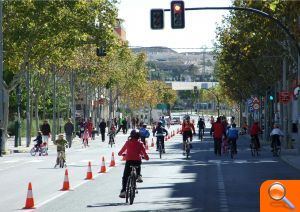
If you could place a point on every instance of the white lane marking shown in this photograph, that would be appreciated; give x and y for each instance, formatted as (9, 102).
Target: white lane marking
(72, 188)
(11, 161)
(34, 161)
(223, 204)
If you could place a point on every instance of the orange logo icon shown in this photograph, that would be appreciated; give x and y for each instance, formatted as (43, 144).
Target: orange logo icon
(280, 196)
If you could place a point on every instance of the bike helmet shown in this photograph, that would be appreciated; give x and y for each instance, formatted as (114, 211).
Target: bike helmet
(135, 134)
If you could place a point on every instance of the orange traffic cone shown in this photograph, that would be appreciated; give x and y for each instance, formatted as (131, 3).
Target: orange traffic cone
(103, 168)
(89, 174)
(29, 200)
(147, 147)
(112, 162)
(152, 143)
(66, 185)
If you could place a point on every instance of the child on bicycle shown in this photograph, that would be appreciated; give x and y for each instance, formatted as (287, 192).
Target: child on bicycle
(61, 148)
(112, 132)
(85, 137)
(39, 141)
(135, 150)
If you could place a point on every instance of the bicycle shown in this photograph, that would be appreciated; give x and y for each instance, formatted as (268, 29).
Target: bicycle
(201, 133)
(187, 147)
(276, 147)
(111, 141)
(131, 188)
(254, 147)
(160, 138)
(42, 149)
(61, 160)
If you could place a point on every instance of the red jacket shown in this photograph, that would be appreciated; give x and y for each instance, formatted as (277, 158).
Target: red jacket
(90, 126)
(218, 130)
(255, 130)
(135, 150)
(186, 127)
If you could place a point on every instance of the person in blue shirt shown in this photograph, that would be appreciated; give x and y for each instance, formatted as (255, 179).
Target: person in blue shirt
(144, 133)
(232, 135)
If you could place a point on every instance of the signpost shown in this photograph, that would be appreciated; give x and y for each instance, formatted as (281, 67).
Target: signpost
(284, 97)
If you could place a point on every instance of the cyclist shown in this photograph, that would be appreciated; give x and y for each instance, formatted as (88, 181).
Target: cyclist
(201, 126)
(112, 132)
(188, 130)
(39, 141)
(255, 130)
(275, 136)
(135, 150)
(218, 132)
(144, 133)
(85, 137)
(233, 135)
(61, 148)
(160, 130)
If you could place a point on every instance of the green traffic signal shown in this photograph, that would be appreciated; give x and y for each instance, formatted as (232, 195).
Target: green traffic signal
(271, 98)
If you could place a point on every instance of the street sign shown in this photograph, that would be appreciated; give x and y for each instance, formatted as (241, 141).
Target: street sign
(284, 97)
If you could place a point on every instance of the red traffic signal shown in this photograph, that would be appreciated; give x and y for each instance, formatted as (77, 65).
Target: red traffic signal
(157, 18)
(177, 15)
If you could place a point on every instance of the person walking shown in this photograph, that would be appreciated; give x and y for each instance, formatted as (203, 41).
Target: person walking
(90, 127)
(124, 125)
(102, 127)
(46, 130)
(69, 129)
(218, 132)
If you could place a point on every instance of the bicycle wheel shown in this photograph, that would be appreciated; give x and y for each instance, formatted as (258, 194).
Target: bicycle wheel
(127, 192)
(132, 190)
(32, 151)
(231, 151)
(187, 149)
(61, 161)
(43, 151)
(160, 150)
(111, 141)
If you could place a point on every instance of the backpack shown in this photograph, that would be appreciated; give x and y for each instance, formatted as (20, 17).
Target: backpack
(144, 133)
(233, 133)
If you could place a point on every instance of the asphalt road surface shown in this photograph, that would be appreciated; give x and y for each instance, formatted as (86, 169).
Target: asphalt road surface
(204, 182)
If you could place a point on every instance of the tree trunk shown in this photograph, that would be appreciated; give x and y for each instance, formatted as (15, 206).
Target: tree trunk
(5, 121)
(28, 130)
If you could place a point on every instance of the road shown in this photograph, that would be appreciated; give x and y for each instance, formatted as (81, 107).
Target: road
(203, 183)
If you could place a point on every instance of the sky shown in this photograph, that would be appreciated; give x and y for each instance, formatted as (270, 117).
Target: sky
(199, 31)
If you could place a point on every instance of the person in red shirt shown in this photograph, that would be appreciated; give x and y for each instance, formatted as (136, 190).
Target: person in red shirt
(135, 149)
(218, 132)
(90, 127)
(188, 130)
(255, 130)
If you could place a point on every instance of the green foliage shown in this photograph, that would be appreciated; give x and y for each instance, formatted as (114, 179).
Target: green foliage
(250, 48)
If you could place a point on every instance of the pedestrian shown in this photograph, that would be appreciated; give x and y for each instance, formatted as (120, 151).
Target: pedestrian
(90, 126)
(102, 127)
(133, 122)
(120, 125)
(218, 132)
(69, 130)
(82, 126)
(124, 125)
(46, 131)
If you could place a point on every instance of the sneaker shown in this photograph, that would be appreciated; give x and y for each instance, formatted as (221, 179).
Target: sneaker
(183, 153)
(156, 150)
(139, 179)
(55, 165)
(164, 151)
(122, 194)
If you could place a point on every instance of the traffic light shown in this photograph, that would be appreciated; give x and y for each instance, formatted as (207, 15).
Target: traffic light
(177, 15)
(101, 52)
(157, 18)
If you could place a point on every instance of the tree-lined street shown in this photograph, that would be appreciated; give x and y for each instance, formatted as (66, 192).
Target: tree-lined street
(170, 183)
